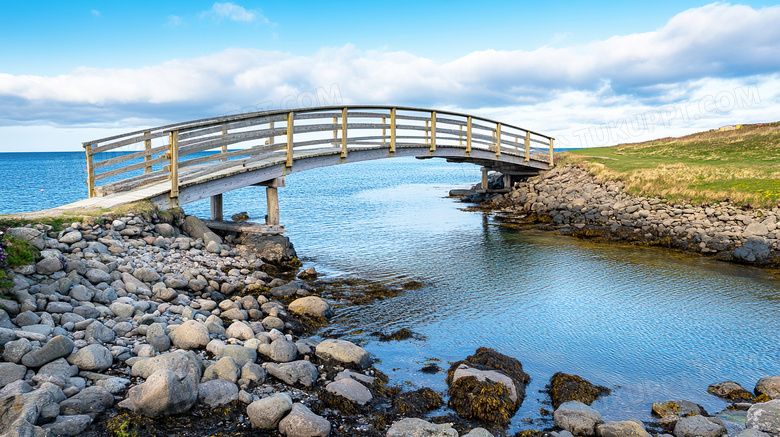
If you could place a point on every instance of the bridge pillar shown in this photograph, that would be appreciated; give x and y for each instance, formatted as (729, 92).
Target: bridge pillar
(272, 198)
(216, 207)
(485, 178)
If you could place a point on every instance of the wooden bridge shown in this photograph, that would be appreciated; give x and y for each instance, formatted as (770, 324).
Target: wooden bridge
(180, 163)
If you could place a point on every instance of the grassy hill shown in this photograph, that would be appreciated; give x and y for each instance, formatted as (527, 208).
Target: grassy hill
(741, 166)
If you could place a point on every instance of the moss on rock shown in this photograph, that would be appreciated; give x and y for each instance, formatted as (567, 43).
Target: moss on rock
(565, 387)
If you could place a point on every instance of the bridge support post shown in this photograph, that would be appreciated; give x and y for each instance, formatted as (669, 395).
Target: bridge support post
(484, 178)
(272, 199)
(216, 207)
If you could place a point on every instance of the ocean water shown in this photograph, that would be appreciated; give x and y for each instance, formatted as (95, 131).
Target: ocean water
(651, 324)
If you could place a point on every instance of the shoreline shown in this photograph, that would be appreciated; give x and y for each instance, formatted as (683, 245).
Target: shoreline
(243, 296)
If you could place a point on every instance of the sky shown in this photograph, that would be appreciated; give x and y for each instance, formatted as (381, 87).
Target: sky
(589, 73)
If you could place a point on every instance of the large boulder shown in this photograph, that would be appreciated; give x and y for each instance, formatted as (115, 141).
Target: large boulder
(93, 357)
(30, 235)
(577, 418)
(411, 427)
(670, 412)
(343, 352)
(240, 354)
(273, 249)
(764, 417)
(195, 228)
(186, 363)
(565, 387)
(351, 390)
(730, 390)
(295, 373)
(190, 335)
(301, 422)
(267, 412)
(311, 306)
(92, 401)
(699, 426)
(163, 394)
(769, 386)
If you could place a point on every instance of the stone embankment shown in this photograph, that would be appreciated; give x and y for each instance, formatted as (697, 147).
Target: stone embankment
(571, 200)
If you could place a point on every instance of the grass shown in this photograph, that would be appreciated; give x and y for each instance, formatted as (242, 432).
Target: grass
(145, 208)
(741, 166)
(20, 252)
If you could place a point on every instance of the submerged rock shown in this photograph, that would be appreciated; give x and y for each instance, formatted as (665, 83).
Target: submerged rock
(420, 428)
(577, 418)
(565, 387)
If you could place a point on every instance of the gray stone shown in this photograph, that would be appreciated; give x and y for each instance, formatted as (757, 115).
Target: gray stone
(239, 330)
(91, 401)
(217, 392)
(310, 306)
(478, 432)
(164, 393)
(412, 427)
(752, 433)
(146, 274)
(253, 372)
(105, 296)
(118, 225)
(343, 352)
(59, 367)
(225, 368)
(59, 307)
(764, 417)
(113, 384)
(70, 237)
(464, 371)
(267, 412)
(699, 426)
(57, 347)
(26, 318)
(755, 229)
(181, 362)
(19, 412)
(769, 386)
(297, 372)
(301, 422)
(627, 428)
(93, 357)
(176, 281)
(44, 330)
(81, 293)
(68, 425)
(98, 332)
(351, 390)
(272, 322)
(286, 290)
(240, 354)
(195, 228)
(7, 335)
(670, 412)
(577, 418)
(273, 249)
(15, 350)
(190, 335)
(32, 236)
(165, 230)
(47, 266)
(10, 372)
(97, 276)
(121, 309)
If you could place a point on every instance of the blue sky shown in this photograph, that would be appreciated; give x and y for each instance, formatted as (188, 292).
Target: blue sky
(591, 73)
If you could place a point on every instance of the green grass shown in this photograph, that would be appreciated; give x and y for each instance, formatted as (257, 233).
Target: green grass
(20, 252)
(741, 166)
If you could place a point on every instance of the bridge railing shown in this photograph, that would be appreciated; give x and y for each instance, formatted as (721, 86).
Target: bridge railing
(180, 152)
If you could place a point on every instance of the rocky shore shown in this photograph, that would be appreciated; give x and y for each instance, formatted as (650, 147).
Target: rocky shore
(155, 325)
(570, 200)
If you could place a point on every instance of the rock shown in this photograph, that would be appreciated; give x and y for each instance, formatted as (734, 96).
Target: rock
(57, 347)
(225, 368)
(267, 412)
(190, 335)
(81, 293)
(272, 322)
(59, 307)
(106, 296)
(240, 354)
(10, 372)
(19, 412)
(121, 309)
(628, 428)
(670, 412)
(577, 418)
(96, 276)
(27, 318)
(273, 249)
(309, 274)
(98, 332)
(91, 401)
(15, 350)
(30, 235)
(478, 432)
(463, 371)
(769, 386)
(351, 390)
(113, 384)
(93, 357)
(70, 237)
(164, 393)
(217, 392)
(253, 372)
(416, 403)
(412, 427)
(287, 290)
(730, 390)
(764, 417)
(195, 228)
(176, 281)
(146, 274)
(240, 331)
(310, 306)
(754, 249)
(755, 229)
(699, 426)
(752, 433)
(343, 352)
(280, 350)
(68, 425)
(301, 422)
(565, 387)
(181, 362)
(47, 266)
(59, 367)
(297, 372)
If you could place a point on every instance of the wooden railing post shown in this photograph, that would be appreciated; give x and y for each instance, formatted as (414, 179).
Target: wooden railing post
(460, 136)
(174, 157)
(468, 137)
(147, 152)
(224, 150)
(552, 156)
(90, 171)
(271, 138)
(384, 130)
(427, 129)
(392, 130)
(335, 131)
(527, 146)
(498, 140)
(290, 119)
(433, 131)
(344, 133)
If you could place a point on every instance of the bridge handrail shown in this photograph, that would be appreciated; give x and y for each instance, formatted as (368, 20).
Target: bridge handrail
(195, 136)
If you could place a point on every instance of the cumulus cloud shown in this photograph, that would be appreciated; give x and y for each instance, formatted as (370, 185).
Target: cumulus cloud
(234, 12)
(699, 51)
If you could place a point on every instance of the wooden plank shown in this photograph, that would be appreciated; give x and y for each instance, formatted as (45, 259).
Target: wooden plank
(131, 156)
(127, 142)
(245, 227)
(174, 164)
(90, 172)
(108, 174)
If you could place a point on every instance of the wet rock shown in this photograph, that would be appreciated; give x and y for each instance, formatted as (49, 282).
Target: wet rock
(57, 347)
(730, 390)
(565, 387)
(164, 393)
(68, 425)
(190, 335)
(310, 306)
(309, 274)
(217, 392)
(769, 386)
(273, 249)
(267, 412)
(91, 401)
(297, 372)
(420, 428)
(628, 428)
(93, 357)
(765, 417)
(351, 390)
(10, 372)
(699, 426)
(417, 403)
(343, 352)
(301, 422)
(577, 418)
(670, 412)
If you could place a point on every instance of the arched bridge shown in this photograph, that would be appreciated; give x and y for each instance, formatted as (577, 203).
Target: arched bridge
(184, 162)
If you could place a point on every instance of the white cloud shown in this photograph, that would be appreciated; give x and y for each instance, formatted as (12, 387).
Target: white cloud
(175, 20)
(234, 12)
(95, 13)
(699, 52)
